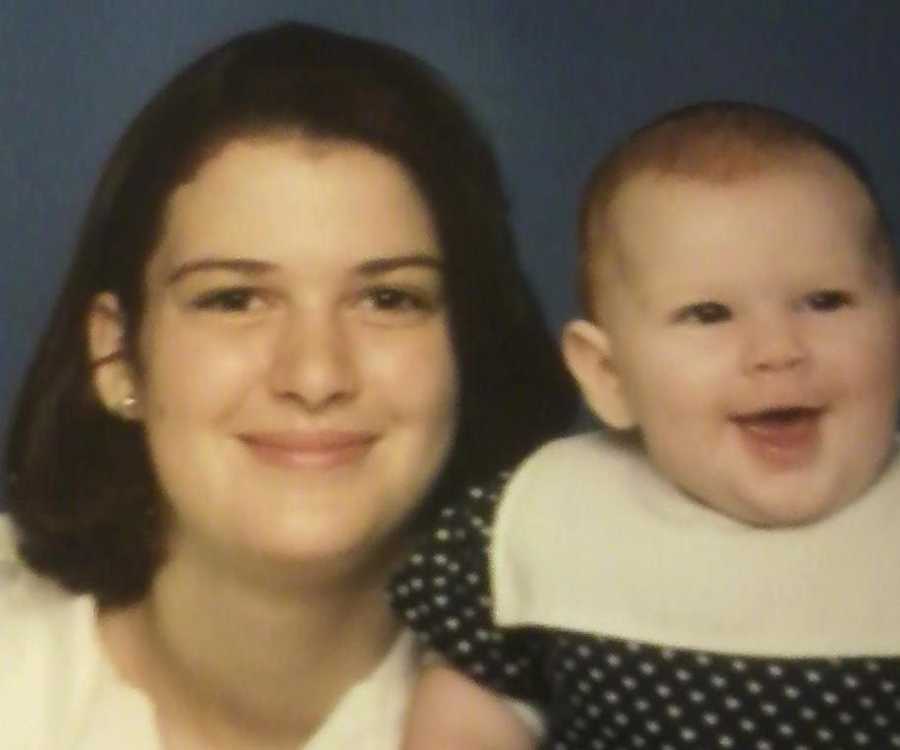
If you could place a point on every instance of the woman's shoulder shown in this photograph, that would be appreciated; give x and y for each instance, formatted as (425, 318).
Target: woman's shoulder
(25, 595)
(57, 689)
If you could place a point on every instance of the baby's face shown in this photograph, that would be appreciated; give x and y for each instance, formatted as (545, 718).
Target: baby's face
(755, 335)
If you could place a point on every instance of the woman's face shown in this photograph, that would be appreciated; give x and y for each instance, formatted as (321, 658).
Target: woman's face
(297, 384)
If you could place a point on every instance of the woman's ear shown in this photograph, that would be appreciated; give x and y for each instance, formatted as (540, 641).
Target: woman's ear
(587, 351)
(112, 373)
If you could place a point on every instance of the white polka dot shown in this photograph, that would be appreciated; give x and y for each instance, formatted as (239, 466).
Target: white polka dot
(647, 668)
(673, 711)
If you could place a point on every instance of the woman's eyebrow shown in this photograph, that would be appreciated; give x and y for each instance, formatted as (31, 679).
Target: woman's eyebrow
(257, 267)
(236, 265)
(392, 263)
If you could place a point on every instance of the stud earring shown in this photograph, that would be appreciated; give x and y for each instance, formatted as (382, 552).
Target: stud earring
(127, 404)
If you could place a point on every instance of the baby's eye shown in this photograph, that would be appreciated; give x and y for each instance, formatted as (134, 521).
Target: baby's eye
(828, 300)
(705, 313)
(230, 299)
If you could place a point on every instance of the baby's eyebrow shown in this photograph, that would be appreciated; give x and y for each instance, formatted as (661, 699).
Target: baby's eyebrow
(235, 265)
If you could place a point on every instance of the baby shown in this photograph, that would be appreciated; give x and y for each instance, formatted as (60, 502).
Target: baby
(721, 567)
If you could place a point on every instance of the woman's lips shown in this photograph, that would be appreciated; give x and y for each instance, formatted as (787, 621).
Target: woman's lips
(319, 449)
(784, 437)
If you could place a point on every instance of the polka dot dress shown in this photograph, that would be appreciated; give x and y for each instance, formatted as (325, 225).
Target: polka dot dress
(612, 694)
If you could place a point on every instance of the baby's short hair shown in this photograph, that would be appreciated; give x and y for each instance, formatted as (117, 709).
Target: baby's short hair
(717, 141)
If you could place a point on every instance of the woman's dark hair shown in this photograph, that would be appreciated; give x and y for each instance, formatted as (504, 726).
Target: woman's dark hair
(79, 481)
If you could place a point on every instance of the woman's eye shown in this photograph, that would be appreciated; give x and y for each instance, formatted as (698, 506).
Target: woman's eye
(828, 300)
(704, 313)
(233, 299)
(390, 302)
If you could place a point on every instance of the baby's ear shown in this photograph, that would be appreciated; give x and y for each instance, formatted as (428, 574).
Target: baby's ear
(587, 351)
(112, 373)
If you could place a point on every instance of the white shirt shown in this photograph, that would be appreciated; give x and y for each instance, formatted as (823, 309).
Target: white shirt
(59, 690)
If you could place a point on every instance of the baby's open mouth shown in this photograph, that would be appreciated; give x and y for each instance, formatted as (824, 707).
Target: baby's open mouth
(783, 435)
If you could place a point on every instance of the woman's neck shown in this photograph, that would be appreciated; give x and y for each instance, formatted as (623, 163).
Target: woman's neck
(229, 662)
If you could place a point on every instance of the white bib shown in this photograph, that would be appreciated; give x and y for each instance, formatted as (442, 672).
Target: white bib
(589, 537)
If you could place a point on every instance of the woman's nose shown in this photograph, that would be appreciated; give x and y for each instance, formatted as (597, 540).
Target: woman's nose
(774, 344)
(313, 363)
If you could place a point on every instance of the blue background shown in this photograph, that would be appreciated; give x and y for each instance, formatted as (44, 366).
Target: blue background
(554, 82)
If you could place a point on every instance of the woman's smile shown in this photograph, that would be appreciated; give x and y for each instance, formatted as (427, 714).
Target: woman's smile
(309, 449)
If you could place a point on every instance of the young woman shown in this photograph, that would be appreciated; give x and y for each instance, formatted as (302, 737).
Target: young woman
(294, 322)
